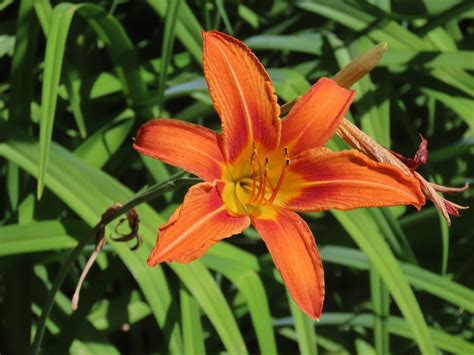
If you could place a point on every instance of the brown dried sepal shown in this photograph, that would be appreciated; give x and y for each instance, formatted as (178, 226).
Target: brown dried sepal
(446, 207)
(361, 141)
(420, 158)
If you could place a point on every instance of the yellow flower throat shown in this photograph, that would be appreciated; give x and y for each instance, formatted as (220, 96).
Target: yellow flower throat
(254, 189)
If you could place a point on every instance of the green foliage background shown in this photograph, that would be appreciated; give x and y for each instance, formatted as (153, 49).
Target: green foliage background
(76, 81)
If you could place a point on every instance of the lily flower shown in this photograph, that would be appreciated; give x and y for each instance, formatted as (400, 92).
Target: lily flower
(262, 170)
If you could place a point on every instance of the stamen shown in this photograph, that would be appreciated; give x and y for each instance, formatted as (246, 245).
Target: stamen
(269, 183)
(252, 164)
(263, 186)
(282, 176)
(259, 170)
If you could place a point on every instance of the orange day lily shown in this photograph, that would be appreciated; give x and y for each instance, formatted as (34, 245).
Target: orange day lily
(262, 169)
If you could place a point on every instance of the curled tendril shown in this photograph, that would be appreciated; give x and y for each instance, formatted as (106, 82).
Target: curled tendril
(133, 224)
(107, 217)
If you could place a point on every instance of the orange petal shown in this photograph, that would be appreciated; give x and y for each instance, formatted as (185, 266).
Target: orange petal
(315, 117)
(293, 249)
(242, 93)
(197, 224)
(188, 146)
(322, 179)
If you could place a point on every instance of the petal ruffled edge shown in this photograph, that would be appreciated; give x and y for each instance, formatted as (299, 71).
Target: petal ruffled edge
(243, 96)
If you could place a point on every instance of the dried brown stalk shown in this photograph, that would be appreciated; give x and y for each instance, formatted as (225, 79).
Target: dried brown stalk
(107, 216)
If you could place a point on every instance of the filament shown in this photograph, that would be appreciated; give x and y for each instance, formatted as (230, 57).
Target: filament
(255, 153)
(252, 164)
(282, 176)
(263, 185)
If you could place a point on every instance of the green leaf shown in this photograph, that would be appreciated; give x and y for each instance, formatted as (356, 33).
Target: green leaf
(73, 88)
(398, 326)
(121, 51)
(221, 258)
(21, 85)
(463, 106)
(200, 284)
(304, 328)
(109, 315)
(40, 236)
(453, 150)
(418, 277)
(248, 15)
(225, 18)
(429, 59)
(101, 146)
(365, 233)
(13, 185)
(90, 199)
(310, 43)
(381, 308)
(60, 21)
(188, 29)
(288, 83)
(172, 11)
(398, 37)
(193, 336)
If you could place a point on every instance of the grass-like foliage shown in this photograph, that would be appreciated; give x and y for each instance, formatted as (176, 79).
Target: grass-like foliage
(77, 79)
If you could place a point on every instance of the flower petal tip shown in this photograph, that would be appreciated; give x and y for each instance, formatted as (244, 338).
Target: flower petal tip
(315, 314)
(214, 33)
(152, 261)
